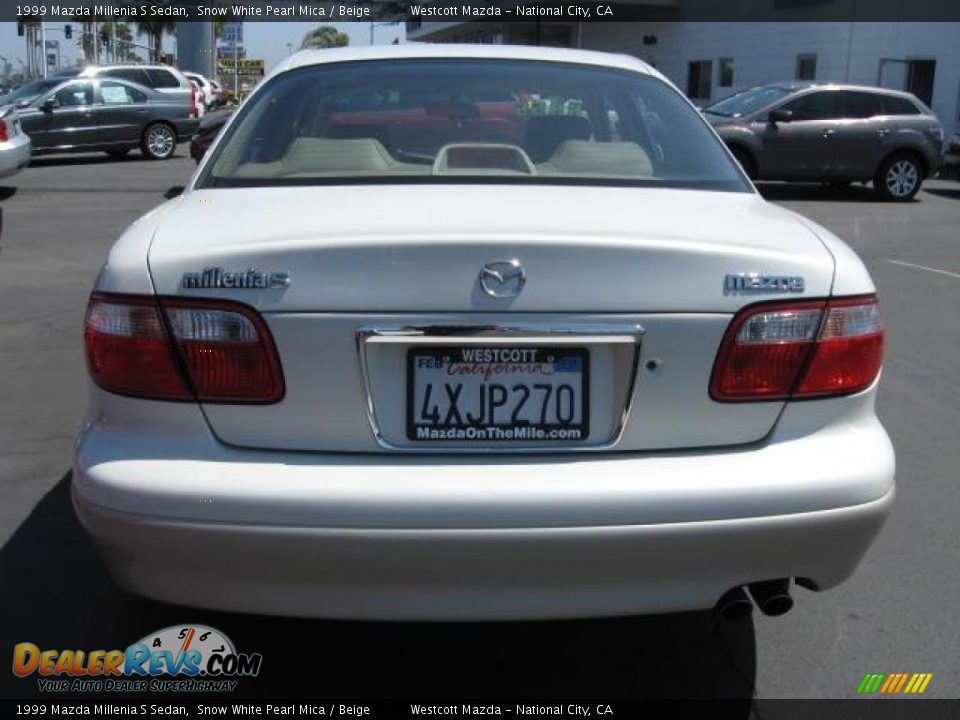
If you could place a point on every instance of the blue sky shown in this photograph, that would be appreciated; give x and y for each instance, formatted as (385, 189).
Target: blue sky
(264, 40)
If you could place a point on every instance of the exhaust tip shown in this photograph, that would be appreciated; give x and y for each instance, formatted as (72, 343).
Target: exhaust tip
(734, 605)
(772, 596)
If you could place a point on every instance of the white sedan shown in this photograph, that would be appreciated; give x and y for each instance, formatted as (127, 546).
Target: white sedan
(15, 144)
(453, 332)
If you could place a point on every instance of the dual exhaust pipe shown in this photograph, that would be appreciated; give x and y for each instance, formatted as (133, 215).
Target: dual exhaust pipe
(772, 597)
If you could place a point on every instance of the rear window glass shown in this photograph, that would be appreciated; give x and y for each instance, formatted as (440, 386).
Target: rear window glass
(162, 78)
(132, 74)
(860, 104)
(434, 120)
(898, 106)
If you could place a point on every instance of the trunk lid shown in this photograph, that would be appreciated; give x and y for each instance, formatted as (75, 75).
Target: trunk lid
(396, 256)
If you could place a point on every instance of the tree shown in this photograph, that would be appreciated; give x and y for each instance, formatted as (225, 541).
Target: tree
(155, 30)
(87, 38)
(324, 36)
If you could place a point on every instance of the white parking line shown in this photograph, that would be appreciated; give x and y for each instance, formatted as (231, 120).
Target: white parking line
(923, 267)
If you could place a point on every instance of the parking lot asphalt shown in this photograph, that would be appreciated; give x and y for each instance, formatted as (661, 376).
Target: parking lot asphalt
(897, 614)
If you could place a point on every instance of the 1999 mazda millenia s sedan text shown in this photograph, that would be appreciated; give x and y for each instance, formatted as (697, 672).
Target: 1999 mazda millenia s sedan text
(479, 333)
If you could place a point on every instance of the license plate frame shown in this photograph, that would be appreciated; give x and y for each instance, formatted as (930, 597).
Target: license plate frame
(510, 433)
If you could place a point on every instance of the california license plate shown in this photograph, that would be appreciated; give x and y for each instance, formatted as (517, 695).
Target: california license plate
(498, 394)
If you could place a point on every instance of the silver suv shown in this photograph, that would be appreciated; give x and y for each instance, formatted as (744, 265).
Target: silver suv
(164, 79)
(832, 133)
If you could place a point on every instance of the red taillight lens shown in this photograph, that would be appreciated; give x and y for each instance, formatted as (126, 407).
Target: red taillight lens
(220, 351)
(4, 132)
(128, 351)
(849, 353)
(776, 351)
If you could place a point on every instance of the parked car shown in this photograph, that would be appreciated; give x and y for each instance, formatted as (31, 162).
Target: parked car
(832, 133)
(163, 79)
(116, 116)
(582, 374)
(951, 159)
(198, 99)
(210, 126)
(209, 95)
(14, 143)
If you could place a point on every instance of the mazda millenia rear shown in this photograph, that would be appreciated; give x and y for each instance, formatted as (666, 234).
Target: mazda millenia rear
(472, 333)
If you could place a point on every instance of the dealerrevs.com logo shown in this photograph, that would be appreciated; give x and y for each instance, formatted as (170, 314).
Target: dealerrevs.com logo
(181, 658)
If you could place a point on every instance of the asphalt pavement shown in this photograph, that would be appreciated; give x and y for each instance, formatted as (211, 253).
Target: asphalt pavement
(897, 614)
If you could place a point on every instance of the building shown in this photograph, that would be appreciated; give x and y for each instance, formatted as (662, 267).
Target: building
(711, 60)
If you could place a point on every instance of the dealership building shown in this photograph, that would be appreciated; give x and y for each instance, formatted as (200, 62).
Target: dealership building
(710, 60)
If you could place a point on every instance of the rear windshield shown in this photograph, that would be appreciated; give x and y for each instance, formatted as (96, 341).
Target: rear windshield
(444, 120)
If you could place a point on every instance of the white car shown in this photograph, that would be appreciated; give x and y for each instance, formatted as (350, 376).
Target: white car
(15, 145)
(205, 86)
(426, 338)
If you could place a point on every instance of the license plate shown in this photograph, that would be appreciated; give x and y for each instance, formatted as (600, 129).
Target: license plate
(498, 394)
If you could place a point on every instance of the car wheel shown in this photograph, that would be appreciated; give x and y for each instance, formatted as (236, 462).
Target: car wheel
(746, 162)
(119, 153)
(159, 141)
(899, 177)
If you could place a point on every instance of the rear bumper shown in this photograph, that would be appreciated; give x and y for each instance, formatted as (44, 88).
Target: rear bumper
(474, 574)
(182, 518)
(14, 154)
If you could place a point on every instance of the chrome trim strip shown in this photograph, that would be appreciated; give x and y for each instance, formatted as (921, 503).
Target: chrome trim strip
(538, 333)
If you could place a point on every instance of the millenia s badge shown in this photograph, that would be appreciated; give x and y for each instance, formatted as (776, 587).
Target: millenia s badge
(755, 282)
(214, 277)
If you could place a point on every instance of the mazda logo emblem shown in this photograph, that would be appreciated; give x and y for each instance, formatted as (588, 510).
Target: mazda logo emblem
(504, 279)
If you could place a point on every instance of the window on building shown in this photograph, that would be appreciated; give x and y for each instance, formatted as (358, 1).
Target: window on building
(725, 72)
(806, 66)
(698, 79)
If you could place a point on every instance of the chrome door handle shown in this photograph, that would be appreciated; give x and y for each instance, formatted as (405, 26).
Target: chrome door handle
(883, 132)
(827, 133)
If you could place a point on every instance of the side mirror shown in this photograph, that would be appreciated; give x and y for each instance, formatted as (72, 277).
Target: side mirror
(779, 115)
(50, 104)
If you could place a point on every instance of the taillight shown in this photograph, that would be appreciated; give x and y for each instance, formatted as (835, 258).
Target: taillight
(128, 351)
(781, 350)
(180, 349)
(227, 349)
(4, 132)
(193, 104)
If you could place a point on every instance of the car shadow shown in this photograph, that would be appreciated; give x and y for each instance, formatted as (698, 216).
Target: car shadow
(817, 192)
(55, 593)
(7, 192)
(952, 193)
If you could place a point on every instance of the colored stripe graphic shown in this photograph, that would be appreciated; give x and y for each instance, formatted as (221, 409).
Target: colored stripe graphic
(894, 683)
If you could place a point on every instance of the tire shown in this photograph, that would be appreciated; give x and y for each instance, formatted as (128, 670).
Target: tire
(899, 177)
(159, 141)
(118, 153)
(746, 161)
